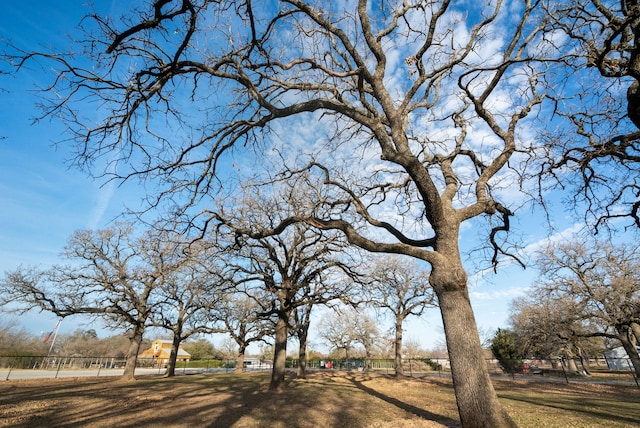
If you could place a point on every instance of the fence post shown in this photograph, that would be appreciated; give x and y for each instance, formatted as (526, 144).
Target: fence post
(8, 374)
(58, 367)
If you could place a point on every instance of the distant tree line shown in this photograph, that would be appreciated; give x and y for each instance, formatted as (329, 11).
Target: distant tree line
(586, 301)
(16, 341)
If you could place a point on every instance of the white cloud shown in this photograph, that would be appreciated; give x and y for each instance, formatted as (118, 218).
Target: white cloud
(105, 194)
(493, 295)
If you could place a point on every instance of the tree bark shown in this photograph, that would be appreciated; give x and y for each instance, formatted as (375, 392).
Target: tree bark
(477, 401)
(173, 358)
(398, 349)
(135, 340)
(302, 355)
(240, 359)
(631, 350)
(584, 362)
(571, 364)
(280, 353)
(635, 328)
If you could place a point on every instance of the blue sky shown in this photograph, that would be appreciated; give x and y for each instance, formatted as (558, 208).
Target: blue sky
(43, 201)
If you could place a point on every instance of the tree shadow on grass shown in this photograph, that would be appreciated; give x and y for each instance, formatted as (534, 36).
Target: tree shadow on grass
(184, 401)
(422, 413)
(176, 402)
(589, 408)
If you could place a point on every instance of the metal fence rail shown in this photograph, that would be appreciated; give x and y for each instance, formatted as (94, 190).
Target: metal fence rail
(609, 370)
(569, 370)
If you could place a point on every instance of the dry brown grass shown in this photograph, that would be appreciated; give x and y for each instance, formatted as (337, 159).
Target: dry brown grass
(325, 399)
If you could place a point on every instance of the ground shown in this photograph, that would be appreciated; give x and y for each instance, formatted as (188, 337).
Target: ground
(325, 399)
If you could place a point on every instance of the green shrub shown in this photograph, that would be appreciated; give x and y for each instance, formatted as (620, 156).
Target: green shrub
(506, 351)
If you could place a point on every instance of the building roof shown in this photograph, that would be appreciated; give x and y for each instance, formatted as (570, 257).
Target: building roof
(165, 348)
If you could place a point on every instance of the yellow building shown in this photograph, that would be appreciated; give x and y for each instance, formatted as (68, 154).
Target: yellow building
(161, 350)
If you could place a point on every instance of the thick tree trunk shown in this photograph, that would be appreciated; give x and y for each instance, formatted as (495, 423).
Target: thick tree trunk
(584, 362)
(477, 401)
(302, 355)
(135, 340)
(635, 328)
(571, 365)
(631, 350)
(279, 354)
(398, 349)
(240, 359)
(173, 358)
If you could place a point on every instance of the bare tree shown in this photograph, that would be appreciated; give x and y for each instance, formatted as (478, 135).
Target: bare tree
(295, 268)
(112, 275)
(243, 320)
(413, 349)
(346, 328)
(189, 293)
(544, 326)
(325, 292)
(336, 331)
(402, 288)
(602, 282)
(596, 144)
(436, 93)
(17, 341)
(554, 327)
(365, 332)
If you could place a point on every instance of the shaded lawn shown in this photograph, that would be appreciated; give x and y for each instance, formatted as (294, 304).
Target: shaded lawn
(325, 399)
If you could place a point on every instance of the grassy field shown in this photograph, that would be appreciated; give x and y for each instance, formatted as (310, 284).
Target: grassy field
(325, 399)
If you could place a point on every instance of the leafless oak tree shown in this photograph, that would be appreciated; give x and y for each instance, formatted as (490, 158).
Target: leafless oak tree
(587, 290)
(596, 145)
(112, 275)
(190, 292)
(552, 327)
(298, 267)
(427, 97)
(401, 288)
(243, 319)
(346, 328)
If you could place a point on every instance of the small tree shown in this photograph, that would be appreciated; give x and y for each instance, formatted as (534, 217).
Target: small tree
(506, 351)
(189, 292)
(241, 317)
(400, 287)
